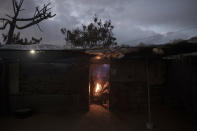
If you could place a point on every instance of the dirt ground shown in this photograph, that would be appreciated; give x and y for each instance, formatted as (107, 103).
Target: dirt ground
(98, 119)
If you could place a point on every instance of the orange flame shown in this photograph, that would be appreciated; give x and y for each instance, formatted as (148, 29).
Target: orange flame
(98, 87)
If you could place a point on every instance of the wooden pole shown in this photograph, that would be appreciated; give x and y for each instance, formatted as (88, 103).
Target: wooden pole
(149, 123)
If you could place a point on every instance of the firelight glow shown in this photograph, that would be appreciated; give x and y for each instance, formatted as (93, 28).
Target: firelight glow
(98, 57)
(98, 87)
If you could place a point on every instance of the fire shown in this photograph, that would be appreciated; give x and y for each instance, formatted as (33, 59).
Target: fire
(98, 87)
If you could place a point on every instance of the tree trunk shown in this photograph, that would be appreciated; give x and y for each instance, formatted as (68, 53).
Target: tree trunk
(11, 33)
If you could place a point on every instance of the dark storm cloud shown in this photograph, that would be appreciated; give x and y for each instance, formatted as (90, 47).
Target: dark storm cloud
(133, 19)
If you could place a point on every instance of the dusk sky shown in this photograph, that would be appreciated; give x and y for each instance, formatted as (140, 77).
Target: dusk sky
(133, 19)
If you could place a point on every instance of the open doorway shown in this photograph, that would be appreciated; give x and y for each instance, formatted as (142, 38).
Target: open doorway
(99, 84)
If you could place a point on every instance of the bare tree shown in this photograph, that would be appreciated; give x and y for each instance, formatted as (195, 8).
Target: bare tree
(39, 15)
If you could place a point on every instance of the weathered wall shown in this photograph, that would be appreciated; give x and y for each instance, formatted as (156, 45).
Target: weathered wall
(3, 89)
(129, 84)
(181, 89)
(47, 81)
(55, 86)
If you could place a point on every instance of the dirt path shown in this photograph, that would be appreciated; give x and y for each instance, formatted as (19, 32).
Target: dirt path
(97, 119)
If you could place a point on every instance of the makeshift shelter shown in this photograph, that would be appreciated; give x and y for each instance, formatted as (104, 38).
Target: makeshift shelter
(120, 79)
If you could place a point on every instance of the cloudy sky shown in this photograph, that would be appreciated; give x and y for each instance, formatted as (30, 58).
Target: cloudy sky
(134, 20)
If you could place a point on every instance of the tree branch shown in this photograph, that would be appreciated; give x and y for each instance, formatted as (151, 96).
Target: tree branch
(9, 16)
(18, 5)
(39, 14)
(34, 22)
(4, 19)
(21, 9)
(21, 3)
(4, 24)
(25, 19)
(39, 27)
(14, 4)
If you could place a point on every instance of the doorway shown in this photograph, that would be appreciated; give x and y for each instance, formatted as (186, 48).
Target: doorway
(99, 84)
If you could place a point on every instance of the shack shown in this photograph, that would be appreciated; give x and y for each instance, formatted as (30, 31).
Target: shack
(120, 79)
